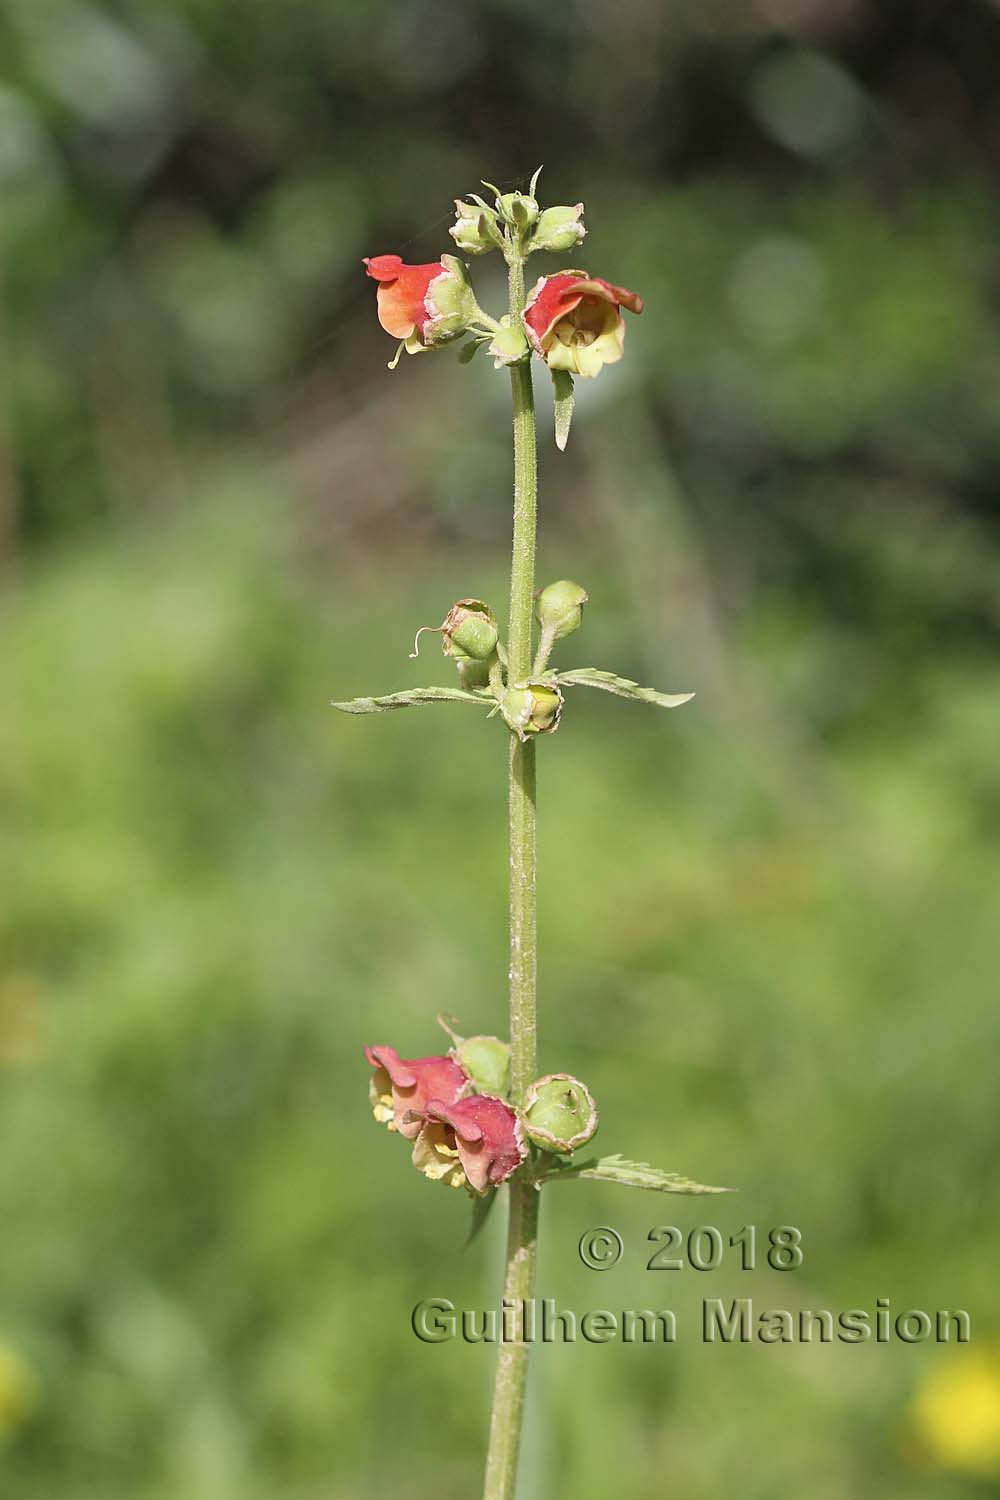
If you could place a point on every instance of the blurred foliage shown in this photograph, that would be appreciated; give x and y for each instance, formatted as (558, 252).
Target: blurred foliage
(771, 921)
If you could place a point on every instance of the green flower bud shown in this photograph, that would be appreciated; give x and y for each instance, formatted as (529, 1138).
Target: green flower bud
(558, 229)
(518, 210)
(535, 708)
(486, 1059)
(475, 229)
(470, 629)
(472, 673)
(508, 346)
(559, 1113)
(559, 608)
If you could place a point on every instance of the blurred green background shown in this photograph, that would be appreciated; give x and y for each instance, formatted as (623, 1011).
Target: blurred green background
(770, 921)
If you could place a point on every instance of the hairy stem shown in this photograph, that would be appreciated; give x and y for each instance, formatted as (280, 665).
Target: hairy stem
(522, 1229)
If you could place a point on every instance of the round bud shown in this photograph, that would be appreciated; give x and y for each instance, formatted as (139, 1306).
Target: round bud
(535, 708)
(470, 629)
(486, 1059)
(508, 346)
(472, 673)
(475, 228)
(559, 1113)
(559, 608)
(558, 229)
(518, 209)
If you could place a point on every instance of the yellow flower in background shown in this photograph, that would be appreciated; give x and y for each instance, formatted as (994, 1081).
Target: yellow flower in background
(18, 1390)
(957, 1413)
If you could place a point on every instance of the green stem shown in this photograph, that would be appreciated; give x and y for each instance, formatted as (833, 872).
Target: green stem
(522, 1229)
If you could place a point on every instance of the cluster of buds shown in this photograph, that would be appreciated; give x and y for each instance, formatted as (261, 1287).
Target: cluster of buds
(515, 219)
(572, 320)
(454, 1109)
(470, 637)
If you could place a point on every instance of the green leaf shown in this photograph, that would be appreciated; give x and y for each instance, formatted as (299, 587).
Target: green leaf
(633, 1174)
(468, 352)
(481, 1205)
(413, 698)
(621, 686)
(562, 389)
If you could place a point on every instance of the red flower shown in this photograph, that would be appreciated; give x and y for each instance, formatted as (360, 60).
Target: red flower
(574, 321)
(422, 305)
(477, 1140)
(400, 1087)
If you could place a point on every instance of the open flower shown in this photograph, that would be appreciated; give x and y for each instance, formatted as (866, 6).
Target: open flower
(477, 1140)
(574, 321)
(422, 305)
(400, 1087)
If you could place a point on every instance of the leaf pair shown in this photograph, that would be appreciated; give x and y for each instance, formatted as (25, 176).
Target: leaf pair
(592, 677)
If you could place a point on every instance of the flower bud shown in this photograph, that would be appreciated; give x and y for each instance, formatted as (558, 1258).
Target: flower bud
(558, 229)
(559, 1113)
(535, 708)
(518, 209)
(475, 229)
(472, 673)
(470, 629)
(486, 1061)
(559, 608)
(508, 346)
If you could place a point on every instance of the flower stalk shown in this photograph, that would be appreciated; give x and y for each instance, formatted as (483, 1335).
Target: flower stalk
(522, 1227)
(480, 1116)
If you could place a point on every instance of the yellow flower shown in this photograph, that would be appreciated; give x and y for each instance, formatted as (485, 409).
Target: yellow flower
(957, 1414)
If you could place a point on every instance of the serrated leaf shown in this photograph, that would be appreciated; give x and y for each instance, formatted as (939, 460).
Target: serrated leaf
(481, 1205)
(623, 687)
(414, 698)
(633, 1174)
(562, 390)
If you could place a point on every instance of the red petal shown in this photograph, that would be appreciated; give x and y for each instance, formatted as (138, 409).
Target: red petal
(596, 286)
(555, 296)
(552, 298)
(400, 1073)
(488, 1135)
(401, 292)
(416, 1080)
(383, 267)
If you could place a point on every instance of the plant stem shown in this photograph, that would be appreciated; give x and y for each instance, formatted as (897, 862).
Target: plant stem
(522, 1228)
